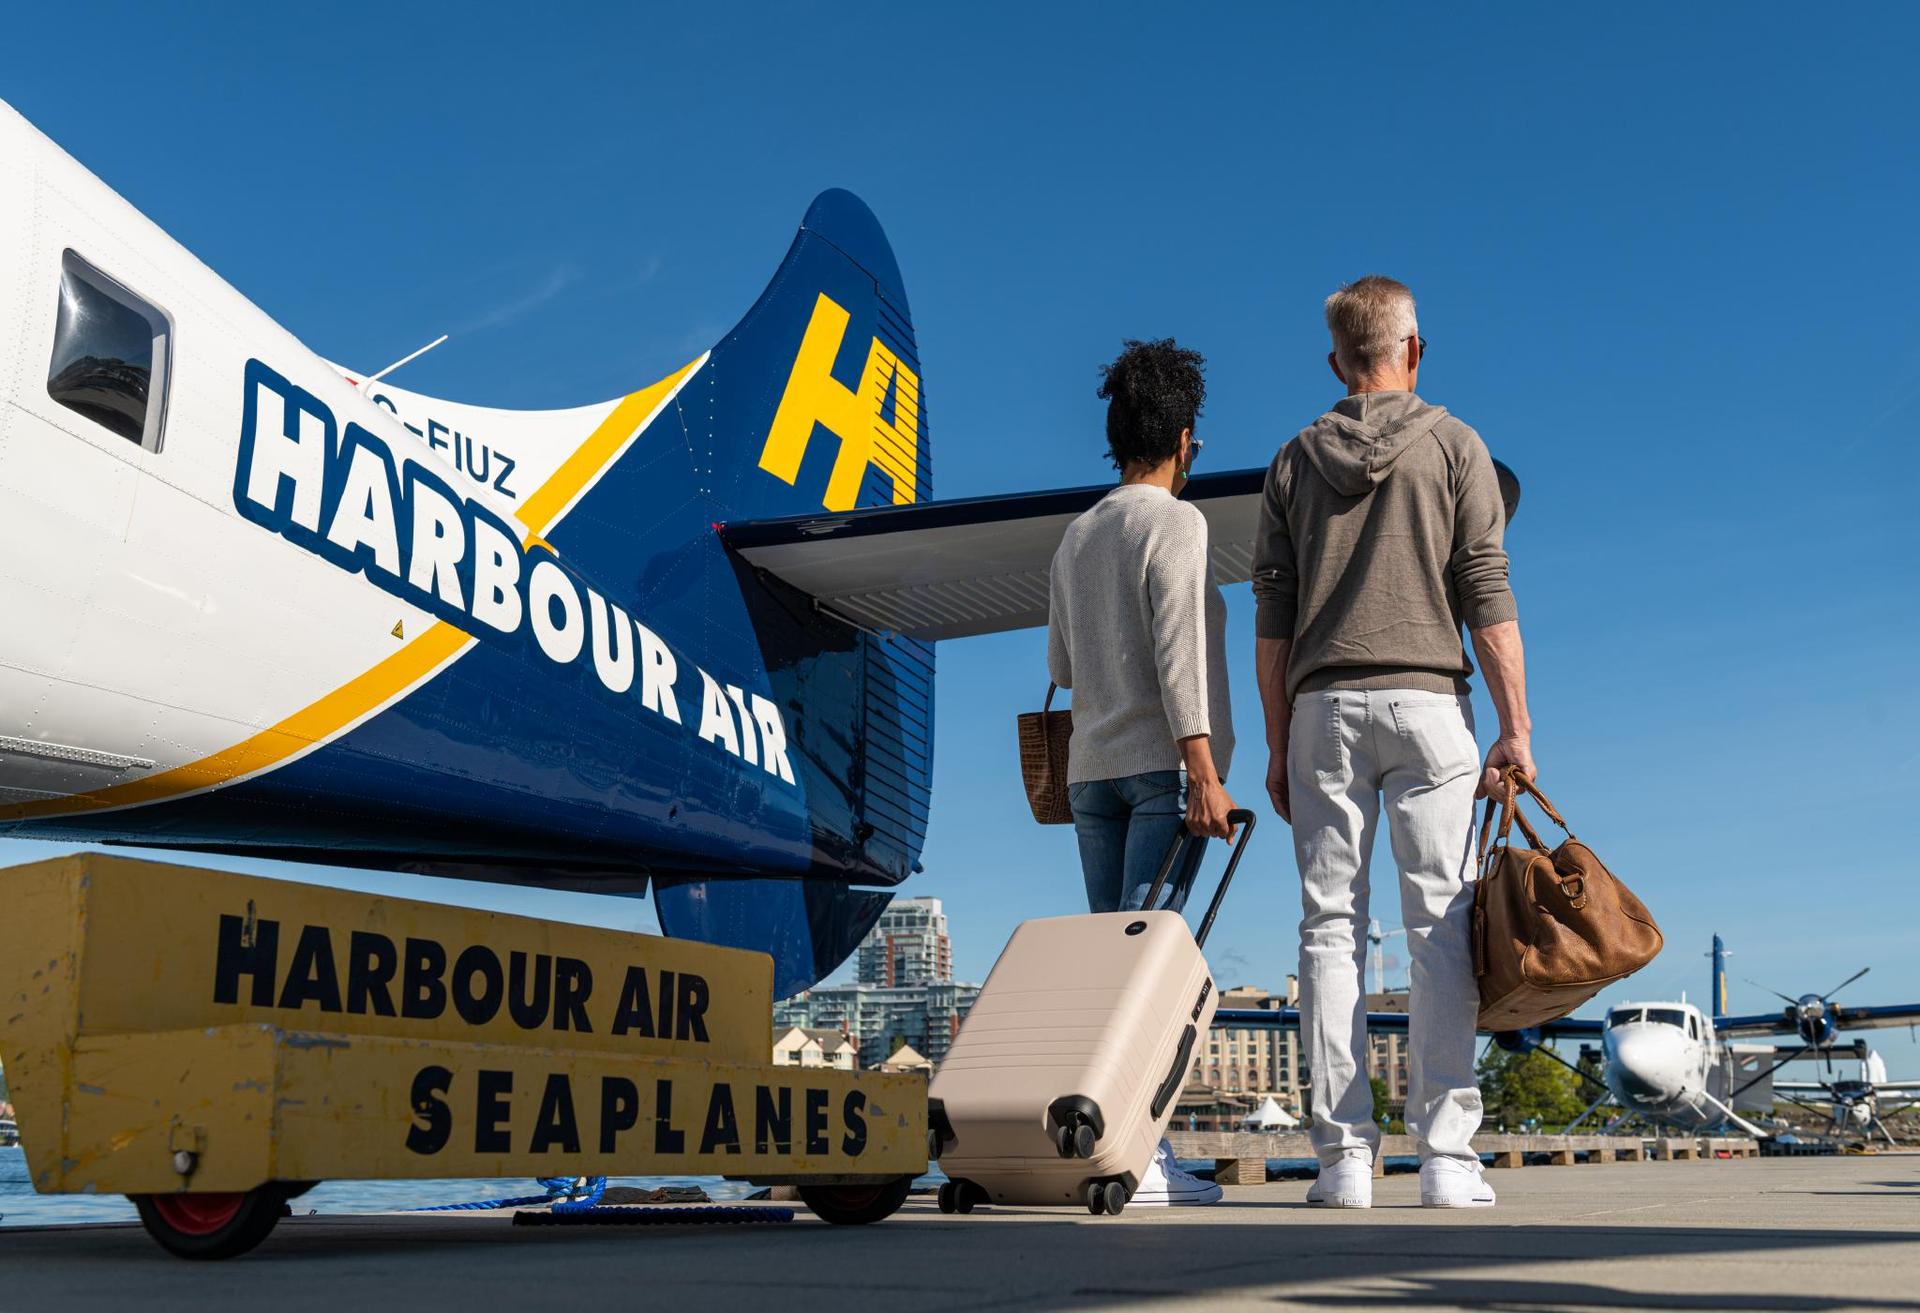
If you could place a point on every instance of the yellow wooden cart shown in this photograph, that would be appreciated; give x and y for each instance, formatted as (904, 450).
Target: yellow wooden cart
(213, 1044)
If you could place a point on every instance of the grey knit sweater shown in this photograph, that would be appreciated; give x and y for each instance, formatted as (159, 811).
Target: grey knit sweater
(1137, 629)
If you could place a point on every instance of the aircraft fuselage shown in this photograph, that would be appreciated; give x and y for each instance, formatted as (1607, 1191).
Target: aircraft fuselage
(258, 606)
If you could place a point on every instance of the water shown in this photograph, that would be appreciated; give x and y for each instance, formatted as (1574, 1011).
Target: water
(20, 1206)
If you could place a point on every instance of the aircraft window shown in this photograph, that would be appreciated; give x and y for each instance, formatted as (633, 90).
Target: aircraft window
(110, 354)
(1693, 1026)
(1667, 1017)
(1624, 1017)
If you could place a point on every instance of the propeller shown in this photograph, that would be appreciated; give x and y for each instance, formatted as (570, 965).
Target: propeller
(1848, 981)
(1793, 1002)
(1815, 1016)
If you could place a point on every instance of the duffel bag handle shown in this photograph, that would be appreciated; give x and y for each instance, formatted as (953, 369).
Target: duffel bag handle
(1240, 816)
(1516, 779)
(1509, 808)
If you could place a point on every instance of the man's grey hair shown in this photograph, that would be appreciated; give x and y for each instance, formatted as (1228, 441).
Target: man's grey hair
(1371, 319)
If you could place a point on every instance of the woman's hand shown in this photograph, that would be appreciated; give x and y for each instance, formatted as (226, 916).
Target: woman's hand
(1207, 806)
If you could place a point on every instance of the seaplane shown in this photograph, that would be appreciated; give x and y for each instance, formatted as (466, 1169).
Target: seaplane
(1855, 1106)
(1675, 1065)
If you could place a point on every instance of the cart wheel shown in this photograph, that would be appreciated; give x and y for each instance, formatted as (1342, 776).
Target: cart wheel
(1085, 1141)
(1096, 1198)
(211, 1225)
(966, 1195)
(949, 1197)
(856, 1205)
(1115, 1195)
(1063, 1140)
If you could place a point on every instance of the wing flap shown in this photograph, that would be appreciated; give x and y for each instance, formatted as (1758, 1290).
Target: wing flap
(958, 568)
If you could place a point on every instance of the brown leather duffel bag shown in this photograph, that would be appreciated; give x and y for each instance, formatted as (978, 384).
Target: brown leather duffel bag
(1550, 929)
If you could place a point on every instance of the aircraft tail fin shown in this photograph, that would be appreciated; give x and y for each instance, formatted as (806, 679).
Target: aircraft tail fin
(812, 404)
(814, 397)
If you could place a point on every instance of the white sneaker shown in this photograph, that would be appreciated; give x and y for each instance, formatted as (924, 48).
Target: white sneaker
(1450, 1183)
(1166, 1185)
(1346, 1183)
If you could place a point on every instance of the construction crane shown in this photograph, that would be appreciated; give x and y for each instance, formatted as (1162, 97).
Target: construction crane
(1376, 960)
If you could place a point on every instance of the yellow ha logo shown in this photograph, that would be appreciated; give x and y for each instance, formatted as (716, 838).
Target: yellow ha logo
(815, 396)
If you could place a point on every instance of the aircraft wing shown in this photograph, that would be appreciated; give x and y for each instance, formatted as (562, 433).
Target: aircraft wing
(952, 569)
(956, 568)
(1845, 1018)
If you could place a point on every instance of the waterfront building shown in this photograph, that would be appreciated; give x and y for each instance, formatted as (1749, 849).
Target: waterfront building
(908, 946)
(903, 991)
(1204, 1109)
(1387, 1054)
(800, 1046)
(1245, 1063)
(874, 1017)
(1241, 1066)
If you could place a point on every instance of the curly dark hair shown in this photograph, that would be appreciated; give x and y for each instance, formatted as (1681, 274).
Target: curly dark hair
(1153, 390)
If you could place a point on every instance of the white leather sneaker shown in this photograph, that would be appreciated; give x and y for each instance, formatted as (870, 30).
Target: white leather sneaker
(1450, 1183)
(1345, 1183)
(1167, 1185)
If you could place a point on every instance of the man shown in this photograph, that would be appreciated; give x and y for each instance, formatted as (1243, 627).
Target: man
(1380, 536)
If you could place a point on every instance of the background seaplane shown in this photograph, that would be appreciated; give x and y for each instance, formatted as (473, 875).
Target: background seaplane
(1674, 1065)
(1854, 1106)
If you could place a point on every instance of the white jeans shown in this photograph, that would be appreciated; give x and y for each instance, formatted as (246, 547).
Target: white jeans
(1348, 751)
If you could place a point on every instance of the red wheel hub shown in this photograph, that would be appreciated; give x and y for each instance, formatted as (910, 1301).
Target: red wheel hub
(197, 1214)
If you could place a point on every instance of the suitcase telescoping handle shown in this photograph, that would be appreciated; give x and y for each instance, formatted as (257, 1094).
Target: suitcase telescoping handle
(1240, 816)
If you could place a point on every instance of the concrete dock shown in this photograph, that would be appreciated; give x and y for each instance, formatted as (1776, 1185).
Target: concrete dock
(1773, 1234)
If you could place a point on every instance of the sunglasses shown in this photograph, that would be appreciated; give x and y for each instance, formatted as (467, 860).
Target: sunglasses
(1421, 340)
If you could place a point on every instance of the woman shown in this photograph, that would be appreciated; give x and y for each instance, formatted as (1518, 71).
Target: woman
(1137, 630)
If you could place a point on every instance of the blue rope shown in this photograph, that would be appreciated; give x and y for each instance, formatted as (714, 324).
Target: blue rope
(560, 1193)
(596, 1187)
(681, 1215)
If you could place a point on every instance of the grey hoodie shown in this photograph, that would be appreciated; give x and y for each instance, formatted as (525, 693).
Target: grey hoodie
(1380, 535)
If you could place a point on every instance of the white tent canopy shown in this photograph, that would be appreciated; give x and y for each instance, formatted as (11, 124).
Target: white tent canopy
(1270, 1116)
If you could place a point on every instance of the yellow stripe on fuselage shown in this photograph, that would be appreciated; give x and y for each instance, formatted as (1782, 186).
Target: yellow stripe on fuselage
(436, 647)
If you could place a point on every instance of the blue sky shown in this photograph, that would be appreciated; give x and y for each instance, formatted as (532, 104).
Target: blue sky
(1663, 257)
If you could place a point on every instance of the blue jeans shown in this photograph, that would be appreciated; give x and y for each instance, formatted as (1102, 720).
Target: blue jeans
(1125, 827)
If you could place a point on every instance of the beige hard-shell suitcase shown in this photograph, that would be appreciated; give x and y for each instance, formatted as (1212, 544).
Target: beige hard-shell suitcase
(1065, 1073)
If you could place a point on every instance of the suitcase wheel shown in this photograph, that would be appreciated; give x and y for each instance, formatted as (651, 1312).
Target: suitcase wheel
(955, 1197)
(1077, 1125)
(1078, 1140)
(1108, 1197)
